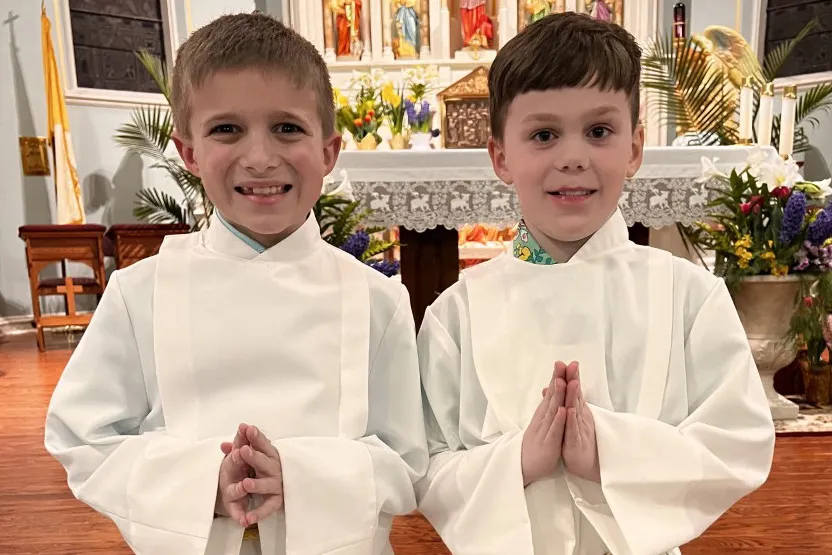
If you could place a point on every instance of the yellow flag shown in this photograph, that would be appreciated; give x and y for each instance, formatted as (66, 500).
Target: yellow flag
(67, 188)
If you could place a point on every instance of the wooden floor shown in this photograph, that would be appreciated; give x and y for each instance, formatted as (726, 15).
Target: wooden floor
(792, 513)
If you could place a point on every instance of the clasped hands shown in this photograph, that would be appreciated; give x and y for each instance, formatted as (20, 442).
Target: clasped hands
(250, 470)
(562, 426)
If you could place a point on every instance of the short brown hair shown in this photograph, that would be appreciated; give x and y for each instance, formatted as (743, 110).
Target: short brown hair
(559, 51)
(248, 40)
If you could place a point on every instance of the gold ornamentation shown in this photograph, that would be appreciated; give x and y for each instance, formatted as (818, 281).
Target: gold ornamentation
(464, 111)
(34, 155)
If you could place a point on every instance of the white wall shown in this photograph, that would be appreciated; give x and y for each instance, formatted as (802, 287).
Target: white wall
(108, 176)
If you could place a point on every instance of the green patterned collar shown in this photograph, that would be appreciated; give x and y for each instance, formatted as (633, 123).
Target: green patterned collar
(526, 248)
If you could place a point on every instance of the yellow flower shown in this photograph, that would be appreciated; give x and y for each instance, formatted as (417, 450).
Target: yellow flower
(744, 242)
(780, 270)
(388, 95)
(525, 253)
(341, 100)
(768, 256)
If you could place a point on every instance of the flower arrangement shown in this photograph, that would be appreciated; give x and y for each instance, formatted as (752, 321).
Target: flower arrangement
(361, 116)
(764, 220)
(420, 81)
(421, 120)
(393, 107)
(341, 224)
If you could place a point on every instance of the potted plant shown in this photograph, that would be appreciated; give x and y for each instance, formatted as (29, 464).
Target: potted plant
(393, 109)
(768, 230)
(809, 331)
(420, 122)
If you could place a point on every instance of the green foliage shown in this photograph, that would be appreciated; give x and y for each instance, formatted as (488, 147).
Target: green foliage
(808, 327)
(693, 94)
(148, 134)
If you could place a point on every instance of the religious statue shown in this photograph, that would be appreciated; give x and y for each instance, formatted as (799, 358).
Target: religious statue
(538, 9)
(406, 22)
(348, 25)
(606, 10)
(477, 28)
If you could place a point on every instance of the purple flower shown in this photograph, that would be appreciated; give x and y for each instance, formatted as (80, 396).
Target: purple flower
(389, 269)
(793, 216)
(356, 244)
(410, 109)
(821, 229)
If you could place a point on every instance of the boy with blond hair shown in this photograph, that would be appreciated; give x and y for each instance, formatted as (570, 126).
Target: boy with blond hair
(250, 381)
(653, 420)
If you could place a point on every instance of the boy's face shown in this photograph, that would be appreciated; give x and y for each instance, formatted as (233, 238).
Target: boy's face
(568, 152)
(256, 142)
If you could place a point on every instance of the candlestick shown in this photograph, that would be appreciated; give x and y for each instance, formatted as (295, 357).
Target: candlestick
(765, 115)
(746, 116)
(787, 117)
(679, 22)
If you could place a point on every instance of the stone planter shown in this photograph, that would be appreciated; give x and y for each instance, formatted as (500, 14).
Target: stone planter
(765, 305)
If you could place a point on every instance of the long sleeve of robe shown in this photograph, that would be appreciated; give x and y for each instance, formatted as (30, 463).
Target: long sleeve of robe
(487, 348)
(142, 446)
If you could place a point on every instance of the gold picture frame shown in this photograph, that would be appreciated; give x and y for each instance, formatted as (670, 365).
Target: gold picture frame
(464, 111)
(34, 155)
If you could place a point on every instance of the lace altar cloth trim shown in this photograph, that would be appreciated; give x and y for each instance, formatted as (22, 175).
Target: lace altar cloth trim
(422, 205)
(452, 188)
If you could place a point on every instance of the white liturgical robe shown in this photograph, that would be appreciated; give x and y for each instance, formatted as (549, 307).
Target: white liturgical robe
(682, 424)
(315, 348)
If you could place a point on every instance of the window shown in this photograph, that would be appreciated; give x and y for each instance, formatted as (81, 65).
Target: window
(785, 19)
(105, 37)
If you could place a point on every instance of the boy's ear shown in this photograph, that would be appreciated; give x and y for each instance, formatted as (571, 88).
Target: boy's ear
(497, 153)
(332, 148)
(637, 154)
(186, 152)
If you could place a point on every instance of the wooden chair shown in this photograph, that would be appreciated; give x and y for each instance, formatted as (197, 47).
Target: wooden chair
(57, 244)
(133, 242)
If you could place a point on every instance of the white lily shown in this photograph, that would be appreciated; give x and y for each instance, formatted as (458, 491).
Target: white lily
(344, 189)
(819, 190)
(779, 173)
(710, 171)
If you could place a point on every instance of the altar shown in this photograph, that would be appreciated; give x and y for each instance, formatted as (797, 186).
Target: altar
(431, 194)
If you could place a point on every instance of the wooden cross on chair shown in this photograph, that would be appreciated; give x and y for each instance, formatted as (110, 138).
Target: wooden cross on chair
(56, 244)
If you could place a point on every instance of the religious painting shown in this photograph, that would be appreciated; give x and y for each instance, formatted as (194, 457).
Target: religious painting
(606, 10)
(464, 112)
(349, 23)
(529, 11)
(406, 27)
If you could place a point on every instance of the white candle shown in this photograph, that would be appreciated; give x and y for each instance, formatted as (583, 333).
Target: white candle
(787, 116)
(746, 106)
(765, 115)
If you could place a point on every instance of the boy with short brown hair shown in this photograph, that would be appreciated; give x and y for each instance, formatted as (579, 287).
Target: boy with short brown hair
(653, 420)
(249, 369)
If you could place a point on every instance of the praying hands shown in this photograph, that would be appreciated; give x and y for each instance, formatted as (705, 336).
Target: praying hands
(262, 481)
(562, 426)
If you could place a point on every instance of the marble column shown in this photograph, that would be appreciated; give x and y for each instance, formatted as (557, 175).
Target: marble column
(329, 45)
(387, 53)
(424, 30)
(367, 54)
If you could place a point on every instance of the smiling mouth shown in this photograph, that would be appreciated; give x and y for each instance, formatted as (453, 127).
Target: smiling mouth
(263, 191)
(573, 193)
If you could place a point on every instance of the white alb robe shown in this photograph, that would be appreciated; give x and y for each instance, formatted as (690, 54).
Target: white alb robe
(682, 424)
(303, 341)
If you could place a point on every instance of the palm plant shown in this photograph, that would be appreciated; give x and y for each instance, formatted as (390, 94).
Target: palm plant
(696, 82)
(149, 134)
